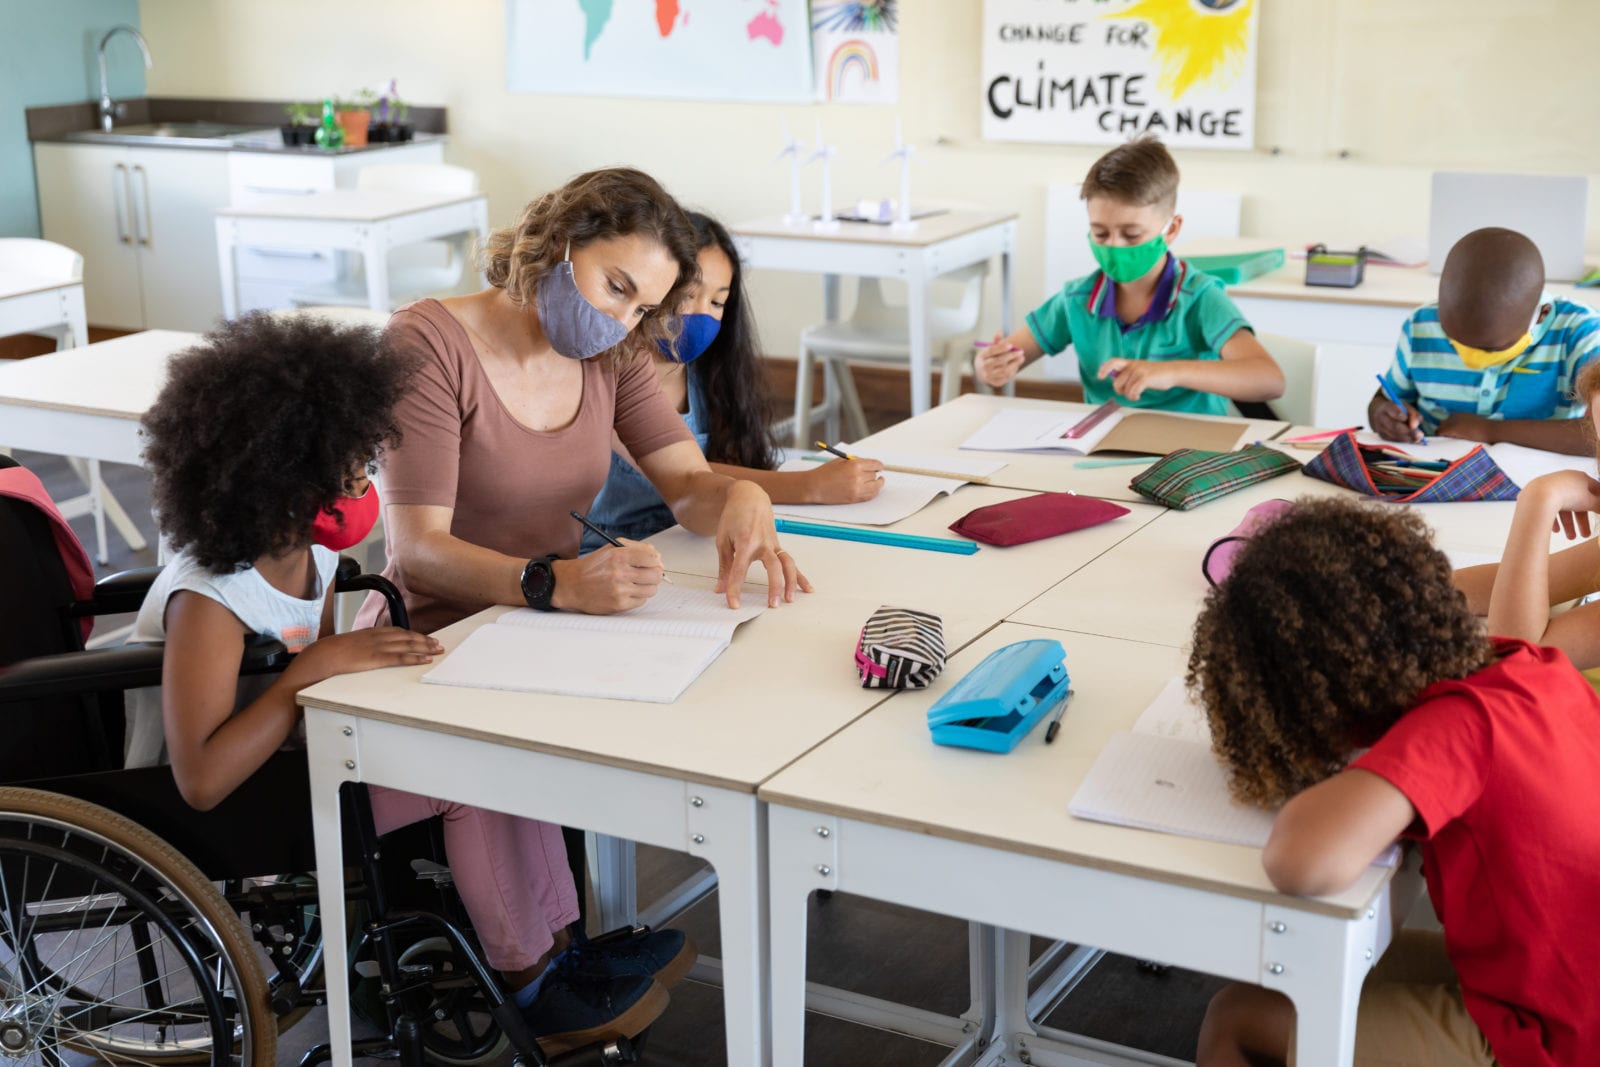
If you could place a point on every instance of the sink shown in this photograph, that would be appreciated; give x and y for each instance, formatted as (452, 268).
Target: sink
(214, 134)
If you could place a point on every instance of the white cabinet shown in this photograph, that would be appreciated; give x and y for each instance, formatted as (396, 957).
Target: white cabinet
(141, 218)
(144, 221)
(268, 277)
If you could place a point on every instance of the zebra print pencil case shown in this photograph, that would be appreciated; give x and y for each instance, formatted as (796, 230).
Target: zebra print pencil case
(900, 649)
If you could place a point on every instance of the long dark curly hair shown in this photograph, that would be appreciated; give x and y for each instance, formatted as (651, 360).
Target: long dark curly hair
(731, 370)
(1332, 620)
(260, 426)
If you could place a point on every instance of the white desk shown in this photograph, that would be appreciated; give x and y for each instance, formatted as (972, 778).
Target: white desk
(940, 244)
(28, 304)
(87, 401)
(940, 432)
(881, 811)
(368, 221)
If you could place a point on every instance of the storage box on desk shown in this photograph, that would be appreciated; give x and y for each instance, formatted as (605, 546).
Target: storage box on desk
(997, 702)
(1237, 267)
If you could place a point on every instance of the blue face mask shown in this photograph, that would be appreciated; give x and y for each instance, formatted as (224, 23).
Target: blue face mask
(574, 327)
(695, 334)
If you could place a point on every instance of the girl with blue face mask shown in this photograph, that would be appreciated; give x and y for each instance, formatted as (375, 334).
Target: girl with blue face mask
(712, 373)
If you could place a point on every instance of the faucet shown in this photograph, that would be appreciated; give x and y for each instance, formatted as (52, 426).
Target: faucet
(107, 108)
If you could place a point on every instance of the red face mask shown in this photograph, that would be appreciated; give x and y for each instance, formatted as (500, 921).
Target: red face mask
(360, 516)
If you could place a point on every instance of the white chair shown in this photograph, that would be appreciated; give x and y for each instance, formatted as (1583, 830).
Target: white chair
(58, 311)
(424, 268)
(878, 332)
(1298, 359)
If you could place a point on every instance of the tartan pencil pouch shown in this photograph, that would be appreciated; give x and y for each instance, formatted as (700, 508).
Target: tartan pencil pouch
(1189, 477)
(900, 649)
(1385, 472)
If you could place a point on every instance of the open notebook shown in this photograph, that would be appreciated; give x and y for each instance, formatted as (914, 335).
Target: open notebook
(902, 495)
(651, 653)
(1163, 776)
(1127, 430)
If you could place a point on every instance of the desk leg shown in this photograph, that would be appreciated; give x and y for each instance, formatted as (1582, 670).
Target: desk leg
(729, 830)
(480, 217)
(917, 283)
(1008, 290)
(76, 317)
(801, 858)
(328, 749)
(375, 260)
(227, 269)
(1319, 962)
(616, 881)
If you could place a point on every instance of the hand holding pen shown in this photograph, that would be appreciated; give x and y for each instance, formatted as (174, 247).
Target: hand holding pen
(997, 361)
(1393, 418)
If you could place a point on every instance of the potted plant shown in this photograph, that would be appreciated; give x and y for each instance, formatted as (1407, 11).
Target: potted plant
(354, 116)
(302, 126)
(389, 118)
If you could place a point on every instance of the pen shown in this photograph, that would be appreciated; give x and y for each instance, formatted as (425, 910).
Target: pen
(1319, 434)
(995, 345)
(1129, 461)
(1055, 720)
(592, 528)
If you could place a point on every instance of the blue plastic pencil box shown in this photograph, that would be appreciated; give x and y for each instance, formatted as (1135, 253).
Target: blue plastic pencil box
(1001, 699)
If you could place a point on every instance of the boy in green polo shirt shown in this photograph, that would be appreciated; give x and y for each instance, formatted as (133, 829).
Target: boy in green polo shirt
(1149, 330)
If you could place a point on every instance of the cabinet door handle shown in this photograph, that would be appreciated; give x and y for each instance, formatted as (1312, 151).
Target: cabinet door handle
(144, 181)
(282, 253)
(122, 200)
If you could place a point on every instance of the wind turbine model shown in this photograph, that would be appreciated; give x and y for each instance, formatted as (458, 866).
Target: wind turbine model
(825, 152)
(903, 222)
(792, 148)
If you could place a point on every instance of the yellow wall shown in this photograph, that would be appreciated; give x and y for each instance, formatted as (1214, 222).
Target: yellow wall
(1462, 56)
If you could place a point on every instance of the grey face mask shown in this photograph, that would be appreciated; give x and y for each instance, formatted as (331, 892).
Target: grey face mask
(575, 328)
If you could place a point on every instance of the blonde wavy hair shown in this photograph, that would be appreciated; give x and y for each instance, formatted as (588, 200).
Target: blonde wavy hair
(595, 206)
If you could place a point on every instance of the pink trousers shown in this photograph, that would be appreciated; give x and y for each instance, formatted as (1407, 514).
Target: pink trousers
(511, 872)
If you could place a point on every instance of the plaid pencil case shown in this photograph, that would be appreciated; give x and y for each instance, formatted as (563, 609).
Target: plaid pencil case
(1189, 477)
(1387, 473)
(900, 649)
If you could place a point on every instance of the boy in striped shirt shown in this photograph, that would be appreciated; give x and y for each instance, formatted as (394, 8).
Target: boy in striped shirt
(1495, 359)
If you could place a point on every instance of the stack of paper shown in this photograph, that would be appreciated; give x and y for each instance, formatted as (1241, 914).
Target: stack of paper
(902, 495)
(651, 653)
(1127, 430)
(1163, 776)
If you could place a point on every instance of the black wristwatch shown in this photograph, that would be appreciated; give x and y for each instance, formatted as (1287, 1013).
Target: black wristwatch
(539, 582)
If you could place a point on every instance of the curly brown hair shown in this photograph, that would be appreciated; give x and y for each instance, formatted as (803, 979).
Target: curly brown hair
(1334, 617)
(594, 206)
(260, 426)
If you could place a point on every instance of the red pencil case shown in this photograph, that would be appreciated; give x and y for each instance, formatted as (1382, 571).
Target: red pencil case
(1034, 518)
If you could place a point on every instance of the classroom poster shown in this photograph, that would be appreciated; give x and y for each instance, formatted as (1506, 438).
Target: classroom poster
(855, 46)
(682, 49)
(1101, 72)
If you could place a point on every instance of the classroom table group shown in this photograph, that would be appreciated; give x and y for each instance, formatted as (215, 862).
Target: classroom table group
(787, 776)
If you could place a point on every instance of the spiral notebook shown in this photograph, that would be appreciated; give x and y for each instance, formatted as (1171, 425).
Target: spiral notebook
(1163, 776)
(652, 653)
(1123, 430)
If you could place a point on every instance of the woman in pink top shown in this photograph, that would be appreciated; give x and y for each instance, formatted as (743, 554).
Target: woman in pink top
(507, 429)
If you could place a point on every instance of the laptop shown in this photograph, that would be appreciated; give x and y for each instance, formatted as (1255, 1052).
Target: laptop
(1551, 210)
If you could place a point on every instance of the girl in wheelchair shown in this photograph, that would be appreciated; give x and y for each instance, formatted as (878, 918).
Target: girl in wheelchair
(258, 448)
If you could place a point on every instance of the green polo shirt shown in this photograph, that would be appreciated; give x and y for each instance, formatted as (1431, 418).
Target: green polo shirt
(1196, 321)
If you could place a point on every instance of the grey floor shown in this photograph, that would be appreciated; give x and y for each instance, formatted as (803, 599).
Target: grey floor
(856, 943)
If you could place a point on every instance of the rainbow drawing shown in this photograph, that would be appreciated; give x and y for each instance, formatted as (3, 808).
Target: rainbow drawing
(852, 55)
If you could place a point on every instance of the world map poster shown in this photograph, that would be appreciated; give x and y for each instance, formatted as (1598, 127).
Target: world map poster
(685, 49)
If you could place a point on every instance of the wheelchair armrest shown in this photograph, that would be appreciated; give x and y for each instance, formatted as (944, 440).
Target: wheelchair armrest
(118, 593)
(113, 670)
(349, 579)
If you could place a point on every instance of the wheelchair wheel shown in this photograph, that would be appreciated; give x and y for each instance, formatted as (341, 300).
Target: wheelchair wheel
(112, 944)
(457, 1029)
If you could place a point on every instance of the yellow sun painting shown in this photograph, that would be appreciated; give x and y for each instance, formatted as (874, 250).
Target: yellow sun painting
(1197, 42)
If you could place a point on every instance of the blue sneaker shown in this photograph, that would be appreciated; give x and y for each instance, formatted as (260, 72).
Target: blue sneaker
(573, 1009)
(665, 955)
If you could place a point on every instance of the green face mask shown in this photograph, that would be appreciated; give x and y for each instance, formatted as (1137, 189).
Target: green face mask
(1127, 263)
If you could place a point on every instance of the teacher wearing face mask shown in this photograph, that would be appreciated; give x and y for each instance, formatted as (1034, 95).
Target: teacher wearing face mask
(509, 424)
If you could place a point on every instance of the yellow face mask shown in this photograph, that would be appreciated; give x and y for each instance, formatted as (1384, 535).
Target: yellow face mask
(1484, 358)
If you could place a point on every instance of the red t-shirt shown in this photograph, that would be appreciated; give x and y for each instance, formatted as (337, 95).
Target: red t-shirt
(1503, 768)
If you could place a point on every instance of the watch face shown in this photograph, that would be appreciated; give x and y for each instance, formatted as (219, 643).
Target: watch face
(538, 583)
